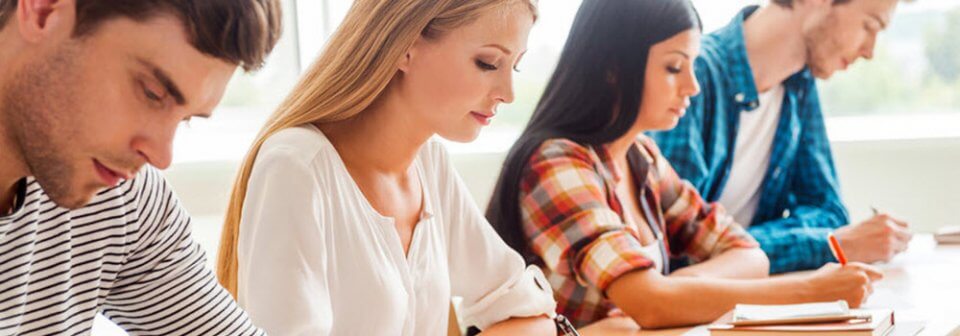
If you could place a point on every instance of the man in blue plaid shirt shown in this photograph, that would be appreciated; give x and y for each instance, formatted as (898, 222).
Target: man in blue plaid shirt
(754, 139)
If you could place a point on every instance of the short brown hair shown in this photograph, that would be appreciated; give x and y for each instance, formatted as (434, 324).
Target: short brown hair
(241, 32)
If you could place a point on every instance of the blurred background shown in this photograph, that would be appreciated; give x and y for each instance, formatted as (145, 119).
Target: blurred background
(894, 121)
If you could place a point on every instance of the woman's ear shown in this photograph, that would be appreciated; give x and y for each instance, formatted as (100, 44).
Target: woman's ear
(407, 61)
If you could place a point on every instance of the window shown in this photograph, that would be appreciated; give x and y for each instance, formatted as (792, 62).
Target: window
(249, 100)
(543, 51)
(909, 90)
(916, 67)
(916, 70)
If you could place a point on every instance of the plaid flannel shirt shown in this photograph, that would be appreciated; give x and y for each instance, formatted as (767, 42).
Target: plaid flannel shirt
(800, 202)
(574, 222)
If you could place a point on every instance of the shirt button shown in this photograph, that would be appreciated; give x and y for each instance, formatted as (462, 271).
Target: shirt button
(740, 97)
(776, 172)
(754, 105)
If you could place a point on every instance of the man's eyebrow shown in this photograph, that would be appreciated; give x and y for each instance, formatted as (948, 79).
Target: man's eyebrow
(164, 78)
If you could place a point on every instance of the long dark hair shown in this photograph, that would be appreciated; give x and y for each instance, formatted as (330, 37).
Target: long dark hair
(594, 94)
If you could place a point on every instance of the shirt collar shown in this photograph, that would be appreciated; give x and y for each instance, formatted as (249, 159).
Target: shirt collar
(636, 158)
(606, 160)
(732, 45)
(19, 194)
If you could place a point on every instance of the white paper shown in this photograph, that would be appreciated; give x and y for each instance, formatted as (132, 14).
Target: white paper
(776, 312)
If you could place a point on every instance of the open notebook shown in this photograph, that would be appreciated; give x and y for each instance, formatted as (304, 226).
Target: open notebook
(829, 318)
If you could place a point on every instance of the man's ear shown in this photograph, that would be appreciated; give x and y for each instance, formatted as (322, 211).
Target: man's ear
(43, 19)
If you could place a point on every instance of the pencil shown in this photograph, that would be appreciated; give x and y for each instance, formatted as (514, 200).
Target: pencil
(837, 251)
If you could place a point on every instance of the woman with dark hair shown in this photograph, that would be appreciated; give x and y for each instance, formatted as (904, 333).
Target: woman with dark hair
(586, 196)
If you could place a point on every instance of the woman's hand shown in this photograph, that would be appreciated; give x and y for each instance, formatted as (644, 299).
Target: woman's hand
(852, 283)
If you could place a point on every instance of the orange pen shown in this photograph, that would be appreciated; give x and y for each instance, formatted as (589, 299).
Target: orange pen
(837, 251)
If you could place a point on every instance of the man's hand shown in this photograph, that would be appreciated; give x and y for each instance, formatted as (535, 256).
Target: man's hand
(879, 238)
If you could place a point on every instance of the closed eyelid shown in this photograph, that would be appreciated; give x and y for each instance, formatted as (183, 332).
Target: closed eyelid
(879, 21)
(154, 88)
(164, 79)
(488, 60)
(149, 90)
(486, 66)
(676, 61)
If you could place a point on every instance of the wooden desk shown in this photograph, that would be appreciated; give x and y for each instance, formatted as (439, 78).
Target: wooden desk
(923, 284)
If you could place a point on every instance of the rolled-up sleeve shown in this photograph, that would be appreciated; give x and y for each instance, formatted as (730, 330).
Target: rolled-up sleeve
(695, 228)
(565, 213)
(492, 278)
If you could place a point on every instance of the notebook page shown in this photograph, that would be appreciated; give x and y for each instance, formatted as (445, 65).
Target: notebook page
(775, 312)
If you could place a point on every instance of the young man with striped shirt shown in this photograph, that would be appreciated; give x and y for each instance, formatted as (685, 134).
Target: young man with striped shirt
(91, 93)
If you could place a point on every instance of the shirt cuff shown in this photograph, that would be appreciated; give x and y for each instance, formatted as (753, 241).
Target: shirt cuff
(611, 255)
(529, 295)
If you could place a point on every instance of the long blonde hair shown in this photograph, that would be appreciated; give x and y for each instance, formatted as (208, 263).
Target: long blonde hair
(354, 69)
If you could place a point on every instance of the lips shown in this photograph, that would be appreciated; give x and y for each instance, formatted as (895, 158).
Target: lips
(482, 118)
(109, 176)
(679, 110)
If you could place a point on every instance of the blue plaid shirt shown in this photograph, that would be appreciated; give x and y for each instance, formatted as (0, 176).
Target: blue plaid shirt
(800, 196)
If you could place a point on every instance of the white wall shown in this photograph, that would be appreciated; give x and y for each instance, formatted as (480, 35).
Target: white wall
(913, 179)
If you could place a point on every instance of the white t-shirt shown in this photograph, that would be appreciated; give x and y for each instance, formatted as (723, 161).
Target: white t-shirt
(751, 157)
(315, 258)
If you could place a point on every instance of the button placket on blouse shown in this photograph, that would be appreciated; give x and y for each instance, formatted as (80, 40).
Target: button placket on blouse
(395, 249)
(389, 230)
(407, 262)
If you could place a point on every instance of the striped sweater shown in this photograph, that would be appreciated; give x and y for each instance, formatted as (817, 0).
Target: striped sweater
(127, 254)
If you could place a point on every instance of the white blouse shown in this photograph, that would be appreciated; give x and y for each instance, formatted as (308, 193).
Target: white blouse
(315, 258)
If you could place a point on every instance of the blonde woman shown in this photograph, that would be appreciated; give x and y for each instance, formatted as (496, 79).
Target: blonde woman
(347, 218)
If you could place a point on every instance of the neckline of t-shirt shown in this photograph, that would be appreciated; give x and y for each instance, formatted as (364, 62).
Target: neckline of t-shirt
(771, 93)
(18, 206)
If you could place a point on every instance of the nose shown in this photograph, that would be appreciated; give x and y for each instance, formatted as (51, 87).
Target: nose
(504, 89)
(155, 144)
(690, 86)
(868, 47)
